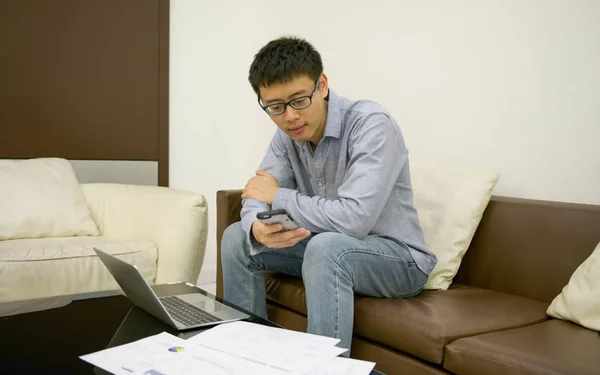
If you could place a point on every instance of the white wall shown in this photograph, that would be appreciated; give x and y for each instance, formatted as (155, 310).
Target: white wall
(509, 84)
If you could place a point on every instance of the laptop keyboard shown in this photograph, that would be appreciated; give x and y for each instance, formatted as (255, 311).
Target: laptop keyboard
(186, 313)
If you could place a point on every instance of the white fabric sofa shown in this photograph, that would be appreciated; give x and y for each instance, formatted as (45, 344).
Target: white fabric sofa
(162, 231)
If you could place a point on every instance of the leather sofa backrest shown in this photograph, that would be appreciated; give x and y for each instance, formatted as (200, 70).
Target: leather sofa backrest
(529, 248)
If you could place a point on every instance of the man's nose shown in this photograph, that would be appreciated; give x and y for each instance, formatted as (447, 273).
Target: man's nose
(291, 114)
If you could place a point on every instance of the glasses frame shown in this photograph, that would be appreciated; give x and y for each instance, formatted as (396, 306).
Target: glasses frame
(290, 103)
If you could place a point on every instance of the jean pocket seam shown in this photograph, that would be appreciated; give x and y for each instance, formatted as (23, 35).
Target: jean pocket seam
(414, 291)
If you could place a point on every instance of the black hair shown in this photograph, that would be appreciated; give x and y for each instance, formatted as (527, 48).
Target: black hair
(282, 60)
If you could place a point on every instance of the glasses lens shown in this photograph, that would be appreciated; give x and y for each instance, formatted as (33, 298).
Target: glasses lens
(300, 103)
(276, 109)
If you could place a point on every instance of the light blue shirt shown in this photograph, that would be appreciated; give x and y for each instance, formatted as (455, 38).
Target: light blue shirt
(357, 182)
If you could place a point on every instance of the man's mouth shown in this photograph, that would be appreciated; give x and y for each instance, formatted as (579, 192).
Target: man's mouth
(297, 130)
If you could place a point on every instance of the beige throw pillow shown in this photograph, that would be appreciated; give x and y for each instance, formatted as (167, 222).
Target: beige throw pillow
(579, 301)
(450, 201)
(42, 198)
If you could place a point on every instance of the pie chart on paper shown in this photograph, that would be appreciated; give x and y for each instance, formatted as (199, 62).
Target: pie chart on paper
(176, 349)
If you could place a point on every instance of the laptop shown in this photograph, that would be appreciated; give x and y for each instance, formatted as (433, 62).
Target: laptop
(183, 311)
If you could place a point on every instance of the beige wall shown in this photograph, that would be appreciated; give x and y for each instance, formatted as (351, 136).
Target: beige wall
(513, 85)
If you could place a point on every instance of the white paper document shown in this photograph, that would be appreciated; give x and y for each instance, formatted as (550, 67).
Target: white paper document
(165, 354)
(229, 349)
(294, 352)
(243, 331)
(345, 366)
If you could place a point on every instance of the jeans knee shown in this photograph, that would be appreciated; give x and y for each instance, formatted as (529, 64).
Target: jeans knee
(324, 249)
(233, 242)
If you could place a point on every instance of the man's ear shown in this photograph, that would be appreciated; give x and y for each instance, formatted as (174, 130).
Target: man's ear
(324, 84)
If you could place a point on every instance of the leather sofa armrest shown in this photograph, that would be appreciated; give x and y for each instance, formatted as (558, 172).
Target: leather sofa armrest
(229, 205)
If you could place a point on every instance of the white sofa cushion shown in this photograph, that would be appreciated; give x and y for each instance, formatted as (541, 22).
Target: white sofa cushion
(42, 198)
(579, 301)
(450, 201)
(35, 268)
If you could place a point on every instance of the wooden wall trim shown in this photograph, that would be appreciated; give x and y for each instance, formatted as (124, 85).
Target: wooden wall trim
(163, 93)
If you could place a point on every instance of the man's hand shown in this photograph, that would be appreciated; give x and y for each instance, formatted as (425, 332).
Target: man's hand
(261, 187)
(268, 236)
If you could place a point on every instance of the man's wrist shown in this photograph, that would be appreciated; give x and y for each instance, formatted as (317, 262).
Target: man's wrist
(252, 229)
(253, 240)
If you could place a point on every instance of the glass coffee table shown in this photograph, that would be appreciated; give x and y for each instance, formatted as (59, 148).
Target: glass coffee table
(51, 341)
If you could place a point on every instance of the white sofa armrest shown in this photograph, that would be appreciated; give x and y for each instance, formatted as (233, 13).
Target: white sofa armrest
(175, 220)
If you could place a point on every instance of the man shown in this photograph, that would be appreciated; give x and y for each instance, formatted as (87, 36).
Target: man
(340, 169)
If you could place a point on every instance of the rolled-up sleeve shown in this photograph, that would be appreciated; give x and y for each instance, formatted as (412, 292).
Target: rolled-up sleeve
(276, 162)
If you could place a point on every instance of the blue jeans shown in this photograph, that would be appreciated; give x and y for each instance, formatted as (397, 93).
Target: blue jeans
(333, 267)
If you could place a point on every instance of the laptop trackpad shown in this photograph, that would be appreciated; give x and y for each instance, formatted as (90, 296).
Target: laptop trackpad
(202, 302)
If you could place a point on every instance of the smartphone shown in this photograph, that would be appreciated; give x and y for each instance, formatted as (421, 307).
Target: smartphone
(277, 217)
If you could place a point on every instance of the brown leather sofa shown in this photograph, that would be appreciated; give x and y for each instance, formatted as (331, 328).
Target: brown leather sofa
(493, 318)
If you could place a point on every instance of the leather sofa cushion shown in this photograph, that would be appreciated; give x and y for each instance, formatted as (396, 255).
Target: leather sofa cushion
(423, 325)
(287, 291)
(552, 347)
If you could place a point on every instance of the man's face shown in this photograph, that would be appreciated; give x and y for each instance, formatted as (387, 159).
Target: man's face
(306, 124)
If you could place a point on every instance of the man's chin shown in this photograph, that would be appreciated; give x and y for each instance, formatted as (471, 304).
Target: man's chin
(299, 138)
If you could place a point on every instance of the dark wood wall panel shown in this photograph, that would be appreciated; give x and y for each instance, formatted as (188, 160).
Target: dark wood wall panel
(163, 88)
(84, 79)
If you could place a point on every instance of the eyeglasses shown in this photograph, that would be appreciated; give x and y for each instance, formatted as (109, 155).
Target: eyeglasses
(298, 103)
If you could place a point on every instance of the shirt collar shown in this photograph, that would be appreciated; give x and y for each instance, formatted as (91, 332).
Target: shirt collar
(333, 124)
